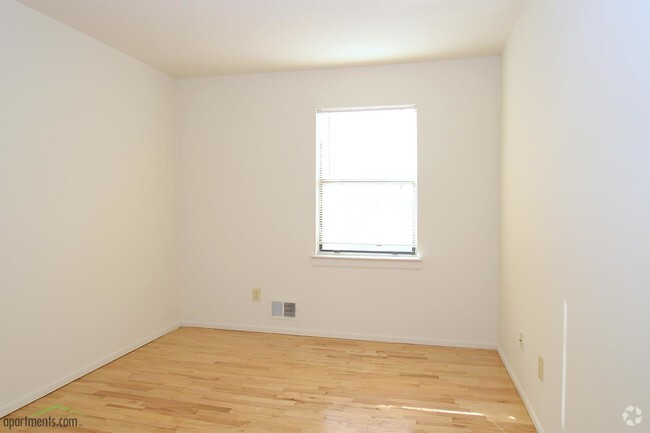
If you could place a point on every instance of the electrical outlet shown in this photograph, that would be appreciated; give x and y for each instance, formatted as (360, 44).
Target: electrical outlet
(257, 294)
(540, 368)
(521, 340)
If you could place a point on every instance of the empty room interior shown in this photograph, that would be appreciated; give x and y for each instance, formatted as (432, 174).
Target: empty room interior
(325, 216)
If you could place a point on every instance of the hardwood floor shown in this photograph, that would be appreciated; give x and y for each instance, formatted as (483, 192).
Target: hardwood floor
(205, 380)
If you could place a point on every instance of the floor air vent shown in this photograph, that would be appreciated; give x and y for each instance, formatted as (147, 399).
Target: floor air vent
(282, 309)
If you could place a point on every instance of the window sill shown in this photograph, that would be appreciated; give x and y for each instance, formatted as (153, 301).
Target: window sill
(364, 261)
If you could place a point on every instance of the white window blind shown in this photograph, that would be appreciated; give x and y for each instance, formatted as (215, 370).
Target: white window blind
(367, 180)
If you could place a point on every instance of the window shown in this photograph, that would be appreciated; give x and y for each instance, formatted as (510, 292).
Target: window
(367, 181)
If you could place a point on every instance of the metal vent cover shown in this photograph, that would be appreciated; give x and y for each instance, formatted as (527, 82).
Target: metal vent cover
(283, 309)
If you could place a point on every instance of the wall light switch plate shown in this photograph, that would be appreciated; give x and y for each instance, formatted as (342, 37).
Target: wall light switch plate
(540, 368)
(257, 294)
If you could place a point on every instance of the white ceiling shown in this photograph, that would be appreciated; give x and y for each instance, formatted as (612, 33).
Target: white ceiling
(192, 38)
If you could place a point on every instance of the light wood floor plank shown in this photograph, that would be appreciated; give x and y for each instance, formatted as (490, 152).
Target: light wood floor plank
(204, 380)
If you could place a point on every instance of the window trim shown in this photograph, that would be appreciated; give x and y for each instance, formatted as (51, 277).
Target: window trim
(365, 255)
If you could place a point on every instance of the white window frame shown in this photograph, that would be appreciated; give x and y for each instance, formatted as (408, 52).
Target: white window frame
(411, 255)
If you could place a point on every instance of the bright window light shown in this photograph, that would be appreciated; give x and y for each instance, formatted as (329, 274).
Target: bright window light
(367, 180)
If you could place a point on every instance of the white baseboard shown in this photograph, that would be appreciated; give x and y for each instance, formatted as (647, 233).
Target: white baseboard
(529, 406)
(343, 335)
(52, 386)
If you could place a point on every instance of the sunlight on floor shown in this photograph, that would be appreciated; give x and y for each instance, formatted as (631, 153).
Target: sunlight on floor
(426, 409)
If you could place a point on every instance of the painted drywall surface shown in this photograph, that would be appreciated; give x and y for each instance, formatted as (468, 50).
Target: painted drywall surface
(576, 211)
(247, 173)
(88, 216)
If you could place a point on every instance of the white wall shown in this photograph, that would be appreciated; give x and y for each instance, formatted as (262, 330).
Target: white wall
(88, 219)
(576, 211)
(247, 172)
